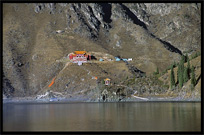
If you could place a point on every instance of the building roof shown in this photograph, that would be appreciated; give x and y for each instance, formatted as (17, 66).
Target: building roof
(79, 52)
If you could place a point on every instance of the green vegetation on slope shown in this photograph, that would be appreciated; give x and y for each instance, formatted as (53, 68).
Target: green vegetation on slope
(193, 80)
(172, 85)
(184, 71)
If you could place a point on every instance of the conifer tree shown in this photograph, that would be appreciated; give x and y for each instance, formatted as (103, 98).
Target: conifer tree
(181, 71)
(172, 79)
(187, 58)
(178, 72)
(174, 64)
(188, 67)
(185, 76)
(157, 70)
(180, 79)
(182, 62)
(193, 80)
(182, 59)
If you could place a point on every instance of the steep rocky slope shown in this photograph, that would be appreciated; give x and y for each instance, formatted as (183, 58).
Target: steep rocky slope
(154, 35)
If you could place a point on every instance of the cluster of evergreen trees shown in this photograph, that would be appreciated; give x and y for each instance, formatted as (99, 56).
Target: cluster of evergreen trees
(183, 73)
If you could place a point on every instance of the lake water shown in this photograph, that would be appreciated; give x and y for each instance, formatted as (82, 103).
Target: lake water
(139, 116)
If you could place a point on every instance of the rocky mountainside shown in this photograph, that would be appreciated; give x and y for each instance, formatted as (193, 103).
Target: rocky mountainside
(38, 36)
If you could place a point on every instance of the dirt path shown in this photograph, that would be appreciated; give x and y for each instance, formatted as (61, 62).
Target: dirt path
(49, 84)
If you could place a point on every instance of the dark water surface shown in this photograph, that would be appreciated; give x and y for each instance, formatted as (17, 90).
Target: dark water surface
(140, 116)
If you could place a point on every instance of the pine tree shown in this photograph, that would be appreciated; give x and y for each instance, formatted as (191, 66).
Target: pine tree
(182, 62)
(186, 70)
(180, 79)
(157, 70)
(172, 79)
(178, 72)
(182, 59)
(174, 64)
(193, 80)
(187, 58)
(188, 67)
(181, 71)
(185, 75)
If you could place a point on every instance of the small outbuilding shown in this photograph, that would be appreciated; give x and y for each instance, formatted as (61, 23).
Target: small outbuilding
(101, 59)
(124, 59)
(117, 59)
(129, 59)
(107, 81)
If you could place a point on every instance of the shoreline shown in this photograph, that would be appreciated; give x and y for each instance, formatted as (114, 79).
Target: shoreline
(130, 100)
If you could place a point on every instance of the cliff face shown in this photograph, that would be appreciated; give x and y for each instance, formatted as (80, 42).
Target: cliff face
(36, 36)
